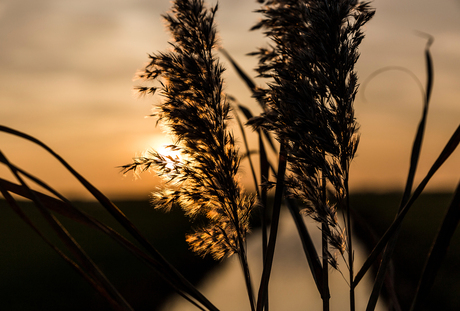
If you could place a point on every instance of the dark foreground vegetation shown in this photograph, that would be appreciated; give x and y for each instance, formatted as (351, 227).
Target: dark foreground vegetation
(307, 125)
(33, 277)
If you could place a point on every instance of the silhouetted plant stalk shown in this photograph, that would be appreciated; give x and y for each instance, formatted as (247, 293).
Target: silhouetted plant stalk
(196, 113)
(310, 106)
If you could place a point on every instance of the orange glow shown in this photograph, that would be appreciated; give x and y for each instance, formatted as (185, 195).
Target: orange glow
(170, 155)
(69, 84)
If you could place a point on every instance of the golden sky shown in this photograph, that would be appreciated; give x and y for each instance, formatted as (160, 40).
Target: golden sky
(67, 68)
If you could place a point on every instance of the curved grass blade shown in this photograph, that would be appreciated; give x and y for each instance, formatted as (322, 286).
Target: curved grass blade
(51, 203)
(248, 114)
(94, 272)
(66, 209)
(445, 154)
(250, 84)
(13, 204)
(438, 251)
(307, 243)
(390, 68)
(124, 221)
(417, 146)
(415, 156)
(246, 145)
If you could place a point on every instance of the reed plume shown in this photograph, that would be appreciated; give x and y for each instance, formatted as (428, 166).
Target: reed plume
(310, 99)
(195, 112)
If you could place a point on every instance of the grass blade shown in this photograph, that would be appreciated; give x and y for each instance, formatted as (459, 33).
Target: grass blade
(13, 204)
(247, 113)
(264, 177)
(363, 86)
(51, 203)
(94, 272)
(415, 156)
(307, 243)
(66, 209)
(438, 251)
(181, 281)
(445, 154)
(249, 83)
(263, 289)
(248, 153)
(417, 146)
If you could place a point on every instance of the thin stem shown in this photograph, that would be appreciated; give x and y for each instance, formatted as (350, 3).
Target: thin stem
(247, 276)
(313, 259)
(325, 292)
(350, 245)
(166, 267)
(438, 251)
(263, 289)
(324, 228)
(93, 274)
(450, 147)
(264, 171)
(415, 155)
(248, 152)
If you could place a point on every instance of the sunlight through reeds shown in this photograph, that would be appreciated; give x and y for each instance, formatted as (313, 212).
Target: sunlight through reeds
(307, 102)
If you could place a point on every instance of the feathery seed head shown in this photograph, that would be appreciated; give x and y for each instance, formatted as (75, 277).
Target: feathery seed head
(196, 113)
(310, 98)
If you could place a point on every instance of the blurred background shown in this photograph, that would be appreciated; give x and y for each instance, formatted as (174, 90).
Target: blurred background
(66, 77)
(67, 69)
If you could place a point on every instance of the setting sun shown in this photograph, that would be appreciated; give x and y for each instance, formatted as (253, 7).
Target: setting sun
(164, 146)
(170, 154)
(283, 137)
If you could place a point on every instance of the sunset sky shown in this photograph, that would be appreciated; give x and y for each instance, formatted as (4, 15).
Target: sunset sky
(67, 69)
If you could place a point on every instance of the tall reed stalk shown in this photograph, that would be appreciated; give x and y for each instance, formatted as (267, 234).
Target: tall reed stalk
(310, 107)
(196, 112)
(307, 106)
